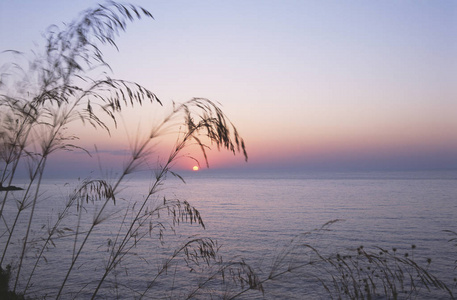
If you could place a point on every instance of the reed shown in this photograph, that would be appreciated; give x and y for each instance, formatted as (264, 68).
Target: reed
(453, 240)
(312, 271)
(43, 94)
(40, 99)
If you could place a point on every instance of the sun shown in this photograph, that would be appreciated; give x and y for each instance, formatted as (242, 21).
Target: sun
(195, 168)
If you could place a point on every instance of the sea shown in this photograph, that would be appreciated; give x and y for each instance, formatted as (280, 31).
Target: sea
(276, 224)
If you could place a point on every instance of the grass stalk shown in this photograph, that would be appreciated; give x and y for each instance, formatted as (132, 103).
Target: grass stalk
(55, 228)
(29, 225)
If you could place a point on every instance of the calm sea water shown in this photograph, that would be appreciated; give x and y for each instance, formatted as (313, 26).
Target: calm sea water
(254, 216)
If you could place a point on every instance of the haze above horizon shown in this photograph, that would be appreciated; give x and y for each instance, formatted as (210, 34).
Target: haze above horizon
(309, 84)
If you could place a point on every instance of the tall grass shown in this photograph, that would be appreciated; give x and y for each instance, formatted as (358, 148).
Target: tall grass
(56, 88)
(41, 96)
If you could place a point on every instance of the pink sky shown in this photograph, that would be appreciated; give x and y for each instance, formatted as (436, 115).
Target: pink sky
(309, 84)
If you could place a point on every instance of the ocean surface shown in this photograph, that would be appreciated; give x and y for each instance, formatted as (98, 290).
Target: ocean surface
(255, 217)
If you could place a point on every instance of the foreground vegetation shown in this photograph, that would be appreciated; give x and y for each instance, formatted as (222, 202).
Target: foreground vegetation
(40, 100)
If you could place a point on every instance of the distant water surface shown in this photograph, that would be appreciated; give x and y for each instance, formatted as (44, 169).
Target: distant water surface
(254, 214)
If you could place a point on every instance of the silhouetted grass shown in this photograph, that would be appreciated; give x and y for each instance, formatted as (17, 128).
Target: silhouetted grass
(59, 86)
(5, 292)
(355, 274)
(55, 89)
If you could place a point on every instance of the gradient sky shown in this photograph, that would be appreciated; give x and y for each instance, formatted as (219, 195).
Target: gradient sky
(310, 84)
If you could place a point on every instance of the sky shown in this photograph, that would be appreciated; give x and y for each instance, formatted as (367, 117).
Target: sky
(310, 85)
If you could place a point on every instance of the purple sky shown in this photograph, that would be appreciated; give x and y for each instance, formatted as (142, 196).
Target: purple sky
(309, 84)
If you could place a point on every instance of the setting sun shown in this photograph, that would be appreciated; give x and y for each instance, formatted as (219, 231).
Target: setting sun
(195, 168)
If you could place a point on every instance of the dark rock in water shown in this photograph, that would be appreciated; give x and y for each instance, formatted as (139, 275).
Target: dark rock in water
(10, 188)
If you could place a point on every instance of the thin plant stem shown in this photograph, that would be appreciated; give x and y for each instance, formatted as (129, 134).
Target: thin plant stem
(96, 220)
(51, 233)
(24, 245)
(128, 233)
